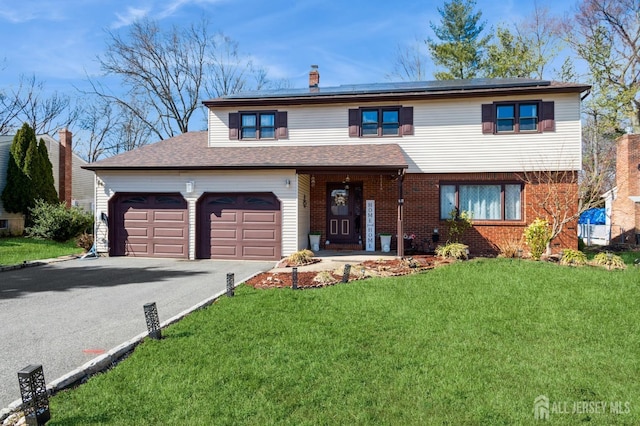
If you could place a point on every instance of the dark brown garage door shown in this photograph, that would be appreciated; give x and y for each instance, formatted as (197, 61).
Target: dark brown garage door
(239, 226)
(149, 225)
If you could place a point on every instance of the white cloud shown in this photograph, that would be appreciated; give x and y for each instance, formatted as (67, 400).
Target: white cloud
(133, 14)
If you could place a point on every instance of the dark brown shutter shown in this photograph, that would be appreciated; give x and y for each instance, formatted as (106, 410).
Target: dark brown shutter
(354, 123)
(488, 122)
(234, 125)
(548, 117)
(406, 121)
(282, 131)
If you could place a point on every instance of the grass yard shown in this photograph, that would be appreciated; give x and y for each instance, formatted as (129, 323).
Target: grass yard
(473, 343)
(16, 250)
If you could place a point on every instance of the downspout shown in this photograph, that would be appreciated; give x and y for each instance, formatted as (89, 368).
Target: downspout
(400, 239)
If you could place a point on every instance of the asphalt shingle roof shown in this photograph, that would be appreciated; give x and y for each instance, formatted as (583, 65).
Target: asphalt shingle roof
(190, 151)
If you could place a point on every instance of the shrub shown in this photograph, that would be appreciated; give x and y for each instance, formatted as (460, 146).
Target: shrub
(537, 235)
(301, 257)
(453, 251)
(57, 222)
(457, 224)
(510, 248)
(609, 261)
(85, 241)
(573, 257)
(325, 278)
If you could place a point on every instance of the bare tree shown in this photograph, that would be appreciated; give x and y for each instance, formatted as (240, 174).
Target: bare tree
(228, 71)
(562, 196)
(544, 34)
(606, 34)
(109, 129)
(410, 62)
(168, 73)
(45, 114)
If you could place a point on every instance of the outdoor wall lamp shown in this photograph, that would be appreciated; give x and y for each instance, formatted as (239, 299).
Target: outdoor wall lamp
(287, 183)
(304, 201)
(191, 186)
(313, 181)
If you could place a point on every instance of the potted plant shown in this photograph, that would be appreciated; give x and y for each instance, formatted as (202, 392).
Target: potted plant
(314, 240)
(385, 242)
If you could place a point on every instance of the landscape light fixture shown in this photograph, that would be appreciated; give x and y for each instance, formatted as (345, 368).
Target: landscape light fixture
(153, 322)
(35, 401)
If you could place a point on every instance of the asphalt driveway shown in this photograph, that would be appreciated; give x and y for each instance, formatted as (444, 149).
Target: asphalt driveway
(64, 314)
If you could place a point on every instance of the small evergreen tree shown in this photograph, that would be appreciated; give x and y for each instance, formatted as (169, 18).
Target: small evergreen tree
(461, 47)
(43, 176)
(17, 194)
(29, 174)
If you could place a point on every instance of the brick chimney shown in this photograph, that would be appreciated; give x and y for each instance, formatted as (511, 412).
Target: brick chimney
(625, 212)
(65, 167)
(314, 79)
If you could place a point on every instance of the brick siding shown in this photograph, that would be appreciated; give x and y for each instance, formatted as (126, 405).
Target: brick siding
(421, 195)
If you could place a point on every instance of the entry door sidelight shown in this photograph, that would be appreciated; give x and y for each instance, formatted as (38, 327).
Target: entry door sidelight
(344, 213)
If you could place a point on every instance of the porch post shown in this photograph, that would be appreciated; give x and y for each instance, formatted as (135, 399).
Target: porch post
(400, 240)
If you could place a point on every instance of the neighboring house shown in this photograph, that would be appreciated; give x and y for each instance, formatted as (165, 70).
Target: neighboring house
(351, 162)
(74, 184)
(623, 201)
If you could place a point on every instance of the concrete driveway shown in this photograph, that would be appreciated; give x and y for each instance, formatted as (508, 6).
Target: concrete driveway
(62, 315)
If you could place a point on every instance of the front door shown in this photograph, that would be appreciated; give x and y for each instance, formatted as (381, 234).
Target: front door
(344, 213)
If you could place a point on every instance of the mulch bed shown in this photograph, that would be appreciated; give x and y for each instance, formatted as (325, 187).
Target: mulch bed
(369, 268)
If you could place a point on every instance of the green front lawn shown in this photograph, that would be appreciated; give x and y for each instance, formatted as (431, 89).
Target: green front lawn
(16, 250)
(472, 343)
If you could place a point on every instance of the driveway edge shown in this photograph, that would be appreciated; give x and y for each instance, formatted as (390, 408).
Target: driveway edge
(109, 359)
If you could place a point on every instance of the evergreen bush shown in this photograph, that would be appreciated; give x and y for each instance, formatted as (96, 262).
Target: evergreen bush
(57, 222)
(537, 235)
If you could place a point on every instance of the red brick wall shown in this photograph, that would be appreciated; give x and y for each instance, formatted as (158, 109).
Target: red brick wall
(421, 195)
(625, 213)
(65, 167)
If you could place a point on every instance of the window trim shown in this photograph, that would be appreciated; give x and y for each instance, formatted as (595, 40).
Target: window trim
(258, 124)
(545, 117)
(380, 121)
(502, 183)
(280, 125)
(405, 121)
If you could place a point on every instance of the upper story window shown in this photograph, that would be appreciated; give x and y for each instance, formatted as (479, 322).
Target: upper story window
(380, 121)
(253, 125)
(518, 117)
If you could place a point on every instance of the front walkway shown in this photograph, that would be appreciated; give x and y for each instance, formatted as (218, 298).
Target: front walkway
(333, 259)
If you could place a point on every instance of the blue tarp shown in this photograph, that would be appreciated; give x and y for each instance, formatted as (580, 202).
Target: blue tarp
(595, 216)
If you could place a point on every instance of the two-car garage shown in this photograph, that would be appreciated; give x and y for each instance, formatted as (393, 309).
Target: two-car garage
(227, 226)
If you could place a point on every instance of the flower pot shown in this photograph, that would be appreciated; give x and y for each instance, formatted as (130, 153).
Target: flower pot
(314, 241)
(385, 243)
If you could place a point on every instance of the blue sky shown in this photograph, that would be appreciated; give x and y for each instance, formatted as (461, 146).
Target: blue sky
(352, 41)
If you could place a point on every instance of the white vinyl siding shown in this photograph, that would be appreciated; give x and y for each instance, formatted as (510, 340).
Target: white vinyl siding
(447, 135)
(205, 181)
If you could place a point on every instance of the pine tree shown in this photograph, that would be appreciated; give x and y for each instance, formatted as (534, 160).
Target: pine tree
(461, 48)
(44, 183)
(29, 175)
(17, 194)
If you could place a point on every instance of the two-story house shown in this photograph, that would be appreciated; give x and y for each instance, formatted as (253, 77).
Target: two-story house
(351, 162)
